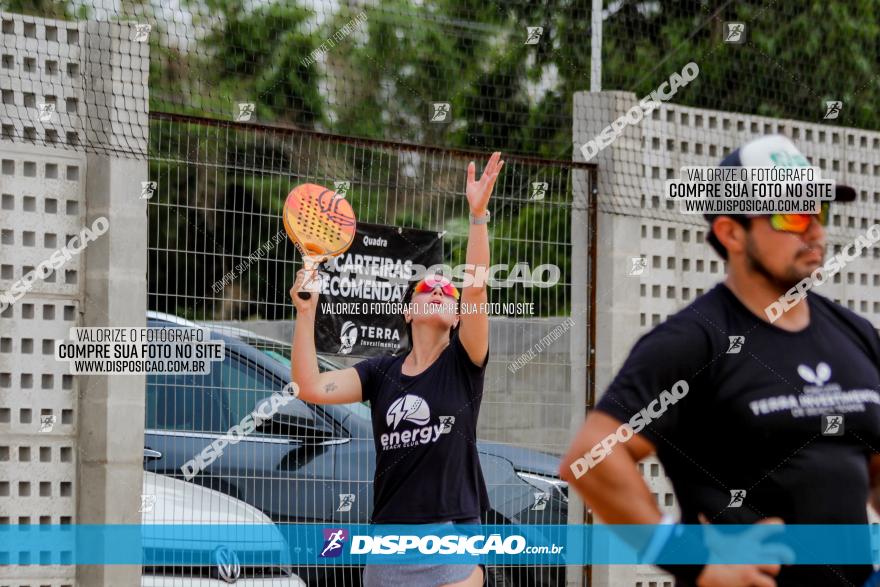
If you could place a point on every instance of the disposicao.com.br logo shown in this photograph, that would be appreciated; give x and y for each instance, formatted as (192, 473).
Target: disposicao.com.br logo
(432, 544)
(334, 540)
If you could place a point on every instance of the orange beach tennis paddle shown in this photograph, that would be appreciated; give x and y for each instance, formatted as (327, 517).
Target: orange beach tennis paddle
(321, 223)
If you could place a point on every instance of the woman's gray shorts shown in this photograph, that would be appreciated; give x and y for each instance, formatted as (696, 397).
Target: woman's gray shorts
(415, 575)
(418, 575)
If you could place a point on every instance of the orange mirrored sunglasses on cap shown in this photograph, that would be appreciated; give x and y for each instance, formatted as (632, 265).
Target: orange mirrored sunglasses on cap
(428, 284)
(799, 223)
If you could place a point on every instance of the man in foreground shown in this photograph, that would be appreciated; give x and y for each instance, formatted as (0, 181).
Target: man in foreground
(743, 430)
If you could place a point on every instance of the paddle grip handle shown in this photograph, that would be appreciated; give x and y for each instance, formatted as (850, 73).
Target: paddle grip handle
(310, 263)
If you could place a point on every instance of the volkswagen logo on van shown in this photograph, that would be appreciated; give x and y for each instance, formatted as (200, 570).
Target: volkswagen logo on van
(228, 566)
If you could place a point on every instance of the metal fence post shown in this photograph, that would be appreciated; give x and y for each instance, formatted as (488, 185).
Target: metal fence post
(583, 235)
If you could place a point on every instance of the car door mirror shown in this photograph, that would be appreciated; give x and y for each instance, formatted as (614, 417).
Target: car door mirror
(150, 454)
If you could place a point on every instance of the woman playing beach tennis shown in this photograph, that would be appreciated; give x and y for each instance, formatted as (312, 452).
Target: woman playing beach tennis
(424, 403)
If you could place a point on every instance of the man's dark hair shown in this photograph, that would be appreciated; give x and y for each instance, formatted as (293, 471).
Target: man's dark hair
(713, 240)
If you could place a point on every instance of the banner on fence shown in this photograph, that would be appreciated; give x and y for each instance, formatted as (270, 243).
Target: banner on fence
(361, 288)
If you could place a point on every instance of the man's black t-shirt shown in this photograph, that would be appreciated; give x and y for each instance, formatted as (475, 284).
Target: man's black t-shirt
(752, 419)
(425, 432)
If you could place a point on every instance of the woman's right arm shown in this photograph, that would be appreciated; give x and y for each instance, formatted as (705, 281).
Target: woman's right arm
(341, 386)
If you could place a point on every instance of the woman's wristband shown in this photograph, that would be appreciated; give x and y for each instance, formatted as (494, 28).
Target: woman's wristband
(483, 219)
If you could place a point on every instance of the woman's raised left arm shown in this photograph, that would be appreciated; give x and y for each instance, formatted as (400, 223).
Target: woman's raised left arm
(474, 330)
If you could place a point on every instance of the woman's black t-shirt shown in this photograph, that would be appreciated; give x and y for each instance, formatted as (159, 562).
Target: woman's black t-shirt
(425, 432)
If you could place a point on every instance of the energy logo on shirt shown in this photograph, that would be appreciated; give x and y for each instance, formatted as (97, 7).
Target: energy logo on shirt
(414, 410)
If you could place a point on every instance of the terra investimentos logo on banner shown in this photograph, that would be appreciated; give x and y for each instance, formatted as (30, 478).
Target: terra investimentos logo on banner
(358, 285)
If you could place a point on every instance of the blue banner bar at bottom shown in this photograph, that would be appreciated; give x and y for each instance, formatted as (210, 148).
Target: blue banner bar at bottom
(313, 544)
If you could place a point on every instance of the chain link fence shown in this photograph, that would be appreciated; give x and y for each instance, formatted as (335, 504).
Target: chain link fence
(244, 100)
(214, 260)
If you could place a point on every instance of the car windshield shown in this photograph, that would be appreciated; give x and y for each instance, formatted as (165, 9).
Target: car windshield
(283, 359)
(361, 409)
(281, 353)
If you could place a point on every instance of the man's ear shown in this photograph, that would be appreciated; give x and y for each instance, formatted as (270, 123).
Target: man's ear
(730, 233)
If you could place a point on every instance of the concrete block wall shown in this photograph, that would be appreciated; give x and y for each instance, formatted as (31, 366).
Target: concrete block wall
(38, 398)
(636, 220)
(70, 446)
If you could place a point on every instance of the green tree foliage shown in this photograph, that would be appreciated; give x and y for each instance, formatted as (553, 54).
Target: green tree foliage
(60, 9)
(253, 52)
(795, 56)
